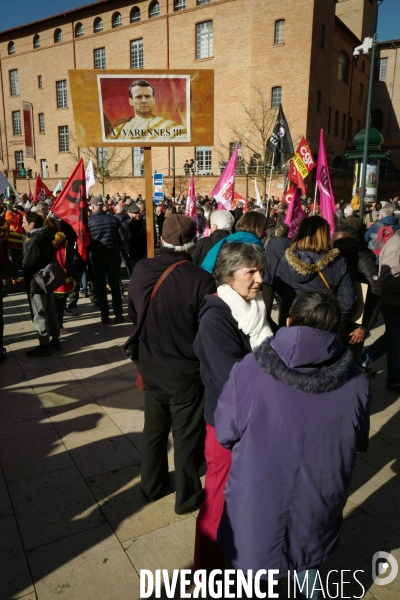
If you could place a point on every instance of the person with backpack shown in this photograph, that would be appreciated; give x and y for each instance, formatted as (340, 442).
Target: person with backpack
(384, 228)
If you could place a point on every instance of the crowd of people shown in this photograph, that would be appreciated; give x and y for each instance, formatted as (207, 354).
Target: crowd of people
(250, 348)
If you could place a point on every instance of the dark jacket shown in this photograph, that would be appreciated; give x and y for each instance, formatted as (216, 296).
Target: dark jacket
(123, 222)
(104, 238)
(270, 229)
(159, 219)
(294, 412)
(371, 233)
(205, 244)
(297, 272)
(356, 224)
(219, 344)
(166, 341)
(274, 250)
(389, 274)
(38, 251)
(137, 239)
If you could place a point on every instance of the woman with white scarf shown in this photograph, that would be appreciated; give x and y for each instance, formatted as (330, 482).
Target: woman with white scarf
(232, 323)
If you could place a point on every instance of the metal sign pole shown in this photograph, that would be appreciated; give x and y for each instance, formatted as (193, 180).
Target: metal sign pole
(148, 187)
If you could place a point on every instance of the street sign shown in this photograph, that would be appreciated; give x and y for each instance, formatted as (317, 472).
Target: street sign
(158, 197)
(158, 188)
(158, 179)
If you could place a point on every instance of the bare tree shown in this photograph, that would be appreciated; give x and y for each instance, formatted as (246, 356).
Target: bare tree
(181, 185)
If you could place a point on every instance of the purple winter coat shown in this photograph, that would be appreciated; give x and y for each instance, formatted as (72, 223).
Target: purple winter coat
(294, 412)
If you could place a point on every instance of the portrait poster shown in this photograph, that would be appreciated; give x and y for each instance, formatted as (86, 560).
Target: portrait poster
(151, 108)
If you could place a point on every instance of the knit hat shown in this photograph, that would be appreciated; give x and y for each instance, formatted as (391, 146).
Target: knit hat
(96, 201)
(178, 230)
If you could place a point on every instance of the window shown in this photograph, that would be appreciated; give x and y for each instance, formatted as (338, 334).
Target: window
(43, 168)
(380, 69)
(137, 161)
(41, 123)
(19, 159)
(16, 119)
(58, 36)
(179, 4)
(63, 139)
(14, 86)
(204, 39)
(154, 9)
(36, 41)
(377, 119)
(99, 58)
(98, 25)
(203, 158)
(358, 126)
(276, 97)
(322, 36)
(102, 159)
(11, 48)
(61, 87)
(279, 31)
(319, 98)
(329, 119)
(361, 93)
(79, 32)
(135, 14)
(116, 20)
(344, 67)
(203, 1)
(56, 168)
(350, 130)
(137, 54)
(40, 82)
(344, 123)
(336, 129)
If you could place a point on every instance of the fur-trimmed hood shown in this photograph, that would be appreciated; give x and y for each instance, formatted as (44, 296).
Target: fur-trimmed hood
(59, 240)
(307, 359)
(306, 264)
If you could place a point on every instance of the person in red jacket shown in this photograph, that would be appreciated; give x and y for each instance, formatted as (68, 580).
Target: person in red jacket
(15, 236)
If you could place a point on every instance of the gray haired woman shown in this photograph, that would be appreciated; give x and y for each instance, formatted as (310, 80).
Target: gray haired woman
(232, 323)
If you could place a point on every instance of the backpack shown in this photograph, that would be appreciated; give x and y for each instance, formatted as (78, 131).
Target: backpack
(74, 264)
(384, 234)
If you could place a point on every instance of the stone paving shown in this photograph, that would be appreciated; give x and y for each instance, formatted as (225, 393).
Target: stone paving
(73, 523)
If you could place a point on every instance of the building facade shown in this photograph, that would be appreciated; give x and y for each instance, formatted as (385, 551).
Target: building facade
(262, 51)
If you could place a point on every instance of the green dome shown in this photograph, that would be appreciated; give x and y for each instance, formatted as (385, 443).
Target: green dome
(374, 141)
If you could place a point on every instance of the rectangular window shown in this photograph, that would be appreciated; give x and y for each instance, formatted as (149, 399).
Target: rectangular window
(203, 1)
(380, 69)
(63, 139)
(61, 87)
(40, 82)
(203, 158)
(56, 168)
(358, 126)
(319, 98)
(361, 94)
(322, 36)
(350, 130)
(137, 60)
(43, 168)
(99, 58)
(329, 119)
(19, 159)
(204, 39)
(279, 31)
(179, 4)
(336, 129)
(344, 123)
(137, 161)
(16, 119)
(276, 97)
(41, 122)
(14, 86)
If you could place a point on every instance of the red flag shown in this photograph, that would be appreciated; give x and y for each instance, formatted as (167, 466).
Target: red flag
(295, 176)
(294, 215)
(287, 198)
(71, 206)
(41, 191)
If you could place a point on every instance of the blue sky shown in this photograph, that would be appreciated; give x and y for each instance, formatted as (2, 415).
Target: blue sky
(25, 11)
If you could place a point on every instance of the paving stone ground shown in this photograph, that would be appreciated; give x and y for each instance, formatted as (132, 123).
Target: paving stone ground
(73, 523)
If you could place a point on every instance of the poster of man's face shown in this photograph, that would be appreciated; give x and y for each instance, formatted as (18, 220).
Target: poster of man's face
(149, 108)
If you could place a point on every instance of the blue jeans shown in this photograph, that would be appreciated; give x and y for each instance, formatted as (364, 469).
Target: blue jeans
(100, 273)
(84, 282)
(392, 326)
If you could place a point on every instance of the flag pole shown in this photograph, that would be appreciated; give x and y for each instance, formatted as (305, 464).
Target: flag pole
(270, 176)
(315, 197)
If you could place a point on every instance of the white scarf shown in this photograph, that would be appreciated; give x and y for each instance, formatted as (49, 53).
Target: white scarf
(250, 314)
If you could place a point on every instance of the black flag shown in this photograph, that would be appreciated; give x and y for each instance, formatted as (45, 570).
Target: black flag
(280, 141)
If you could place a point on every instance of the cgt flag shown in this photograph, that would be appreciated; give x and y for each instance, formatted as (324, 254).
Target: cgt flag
(280, 141)
(71, 206)
(41, 191)
(295, 214)
(327, 201)
(225, 187)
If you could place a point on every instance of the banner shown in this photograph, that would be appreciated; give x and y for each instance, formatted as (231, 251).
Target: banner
(238, 198)
(258, 197)
(41, 191)
(28, 129)
(280, 141)
(297, 179)
(287, 198)
(191, 207)
(327, 201)
(303, 158)
(225, 186)
(294, 215)
(58, 188)
(89, 176)
(71, 206)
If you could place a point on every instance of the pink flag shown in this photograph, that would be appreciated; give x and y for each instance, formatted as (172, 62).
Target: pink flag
(191, 207)
(327, 201)
(294, 215)
(225, 186)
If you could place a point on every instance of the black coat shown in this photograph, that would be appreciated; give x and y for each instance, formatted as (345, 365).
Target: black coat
(105, 241)
(38, 251)
(205, 244)
(137, 239)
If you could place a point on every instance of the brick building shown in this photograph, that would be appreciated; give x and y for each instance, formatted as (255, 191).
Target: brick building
(297, 53)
